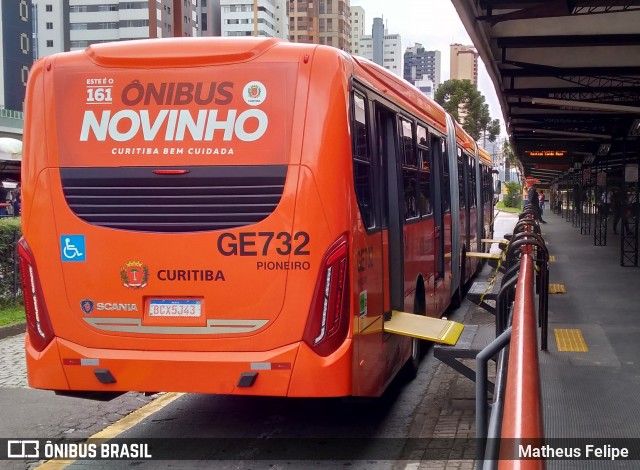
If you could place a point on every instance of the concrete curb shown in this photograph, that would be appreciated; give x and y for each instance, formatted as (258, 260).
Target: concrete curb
(12, 330)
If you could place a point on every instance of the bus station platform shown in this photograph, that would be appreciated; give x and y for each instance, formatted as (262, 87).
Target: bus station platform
(590, 374)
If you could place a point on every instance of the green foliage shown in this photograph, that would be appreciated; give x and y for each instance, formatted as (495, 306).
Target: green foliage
(467, 105)
(514, 210)
(513, 198)
(11, 315)
(10, 232)
(507, 151)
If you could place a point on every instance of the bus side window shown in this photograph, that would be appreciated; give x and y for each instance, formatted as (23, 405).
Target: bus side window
(444, 158)
(472, 182)
(362, 167)
(461, 180)
(424, 173)
(409, 170)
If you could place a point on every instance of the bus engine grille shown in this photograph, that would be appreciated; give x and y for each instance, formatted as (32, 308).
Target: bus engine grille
(174, 199)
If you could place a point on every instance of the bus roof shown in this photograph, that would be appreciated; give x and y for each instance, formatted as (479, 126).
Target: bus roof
(180, 52)
(399, 90)
(484, 156)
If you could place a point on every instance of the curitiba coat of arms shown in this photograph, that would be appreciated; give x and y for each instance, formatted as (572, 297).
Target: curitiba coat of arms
(134, 274)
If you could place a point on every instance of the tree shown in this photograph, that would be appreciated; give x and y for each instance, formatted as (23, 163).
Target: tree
(465, 103)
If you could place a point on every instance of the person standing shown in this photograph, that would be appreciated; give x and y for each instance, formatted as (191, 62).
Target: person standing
(605, 200)
(16, 200)
(541, 200)
(532, 198)
(4, 194)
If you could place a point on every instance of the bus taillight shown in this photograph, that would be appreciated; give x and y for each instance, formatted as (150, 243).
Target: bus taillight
(328, 320)
(38, 324)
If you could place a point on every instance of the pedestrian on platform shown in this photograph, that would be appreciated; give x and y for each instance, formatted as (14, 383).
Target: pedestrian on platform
(532, 198)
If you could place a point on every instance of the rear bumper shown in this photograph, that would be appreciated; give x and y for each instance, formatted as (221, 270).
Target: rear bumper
(292, 370)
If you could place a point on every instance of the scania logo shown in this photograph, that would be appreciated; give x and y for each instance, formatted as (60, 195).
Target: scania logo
(86, 305)
(117, 307)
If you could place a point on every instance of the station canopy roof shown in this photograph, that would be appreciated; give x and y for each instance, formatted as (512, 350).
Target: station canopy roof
(567, 74)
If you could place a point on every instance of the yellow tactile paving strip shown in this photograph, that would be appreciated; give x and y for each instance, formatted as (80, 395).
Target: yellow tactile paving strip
(570, 340)
(557, 289)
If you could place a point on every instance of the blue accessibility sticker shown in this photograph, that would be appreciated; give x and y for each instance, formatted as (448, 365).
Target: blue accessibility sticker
(72, 248)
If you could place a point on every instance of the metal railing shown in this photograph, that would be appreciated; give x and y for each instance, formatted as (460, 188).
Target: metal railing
(515, 412)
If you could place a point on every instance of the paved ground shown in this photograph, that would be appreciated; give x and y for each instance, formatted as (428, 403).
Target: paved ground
(12, 368)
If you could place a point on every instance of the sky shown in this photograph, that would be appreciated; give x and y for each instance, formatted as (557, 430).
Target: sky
(434, 24)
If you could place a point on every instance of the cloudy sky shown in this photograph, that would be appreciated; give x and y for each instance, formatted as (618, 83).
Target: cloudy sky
(434, 24)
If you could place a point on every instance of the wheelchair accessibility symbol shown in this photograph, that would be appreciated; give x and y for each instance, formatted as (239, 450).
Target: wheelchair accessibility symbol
(72, 248)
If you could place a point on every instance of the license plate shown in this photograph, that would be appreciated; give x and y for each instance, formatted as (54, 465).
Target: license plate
(174, 308)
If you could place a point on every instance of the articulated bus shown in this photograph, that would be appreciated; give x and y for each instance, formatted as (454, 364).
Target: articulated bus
(237, 216)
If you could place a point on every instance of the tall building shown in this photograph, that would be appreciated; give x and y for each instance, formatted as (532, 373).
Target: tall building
(421, 64)
(49, 24)
(240, 18)
(16, 52)
(75, 24)
(356, 22)
(426, 86)
(320, 22)
(464, 63)
(209, 11)
(383, 48)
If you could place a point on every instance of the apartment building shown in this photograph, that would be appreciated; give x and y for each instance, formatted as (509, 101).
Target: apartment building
(420, 64)
(254, 18)
(320, 22)
(64, 25)
(464, 63)
(357, 25)
(16, 52)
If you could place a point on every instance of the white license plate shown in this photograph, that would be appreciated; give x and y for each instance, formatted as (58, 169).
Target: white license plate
(174, 308)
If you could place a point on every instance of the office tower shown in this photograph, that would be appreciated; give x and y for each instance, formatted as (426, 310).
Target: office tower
(383, 48)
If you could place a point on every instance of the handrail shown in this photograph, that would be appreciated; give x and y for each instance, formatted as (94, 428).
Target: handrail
(522, 418)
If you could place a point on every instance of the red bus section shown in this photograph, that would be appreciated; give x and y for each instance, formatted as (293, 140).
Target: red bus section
(233, 216)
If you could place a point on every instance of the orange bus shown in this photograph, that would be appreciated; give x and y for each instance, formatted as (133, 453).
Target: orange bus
(236, 216)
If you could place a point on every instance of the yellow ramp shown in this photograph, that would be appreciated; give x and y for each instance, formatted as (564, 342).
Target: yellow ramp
(493, 240)
(422, 327)
(475, 254)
